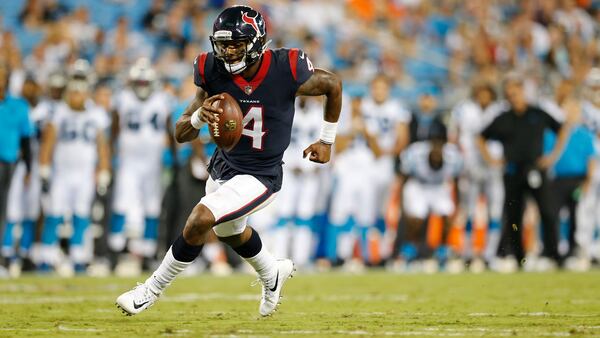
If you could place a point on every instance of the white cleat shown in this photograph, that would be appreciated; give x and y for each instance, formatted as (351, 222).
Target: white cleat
(136, 300)
(270, 296)
(578, 264)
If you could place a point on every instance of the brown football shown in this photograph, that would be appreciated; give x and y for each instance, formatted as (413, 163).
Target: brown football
(227, 132)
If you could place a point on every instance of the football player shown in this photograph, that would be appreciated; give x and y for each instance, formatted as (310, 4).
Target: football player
(387, 118)
(429, 170)
(299, 193)
(140, 133)
(74, 161)
(24, 199)
(589, 213)
(467, 120)
(353, 206)
(265, 83)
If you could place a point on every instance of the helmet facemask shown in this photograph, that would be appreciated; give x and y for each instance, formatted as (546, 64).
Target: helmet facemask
(250, 50)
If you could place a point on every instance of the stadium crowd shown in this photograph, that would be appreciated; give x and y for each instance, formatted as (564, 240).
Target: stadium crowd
(458, 115)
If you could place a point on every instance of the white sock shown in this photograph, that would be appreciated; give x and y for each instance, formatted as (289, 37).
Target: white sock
(167, 271)
(468, 245)
(491, 245)
(281, 242)
(264, 264)
(302, 249)
(345, 245)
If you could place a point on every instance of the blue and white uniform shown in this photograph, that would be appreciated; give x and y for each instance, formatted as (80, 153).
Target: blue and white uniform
(467, 121)
(428, 190)
(588, 214)
(138, 192)
(297, 202)
(72, 183)
(382, 120)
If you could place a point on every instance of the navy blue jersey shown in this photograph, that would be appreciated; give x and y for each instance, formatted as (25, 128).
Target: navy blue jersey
(267, 102)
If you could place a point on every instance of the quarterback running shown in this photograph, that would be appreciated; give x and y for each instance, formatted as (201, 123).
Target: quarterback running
(265, 83)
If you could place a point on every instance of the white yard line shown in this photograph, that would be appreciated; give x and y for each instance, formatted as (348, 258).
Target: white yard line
(194, 297)
(75, 329)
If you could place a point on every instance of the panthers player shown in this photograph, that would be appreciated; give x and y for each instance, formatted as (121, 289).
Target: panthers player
(467, 120)
(353, 206)
(387, 118)
(24, 199)
(265, 83)
(429, 170)
(73, 161)
(299, 193)
(140, 133)
(589, 213)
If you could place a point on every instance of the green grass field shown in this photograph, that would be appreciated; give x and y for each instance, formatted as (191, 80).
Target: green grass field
(322, 305)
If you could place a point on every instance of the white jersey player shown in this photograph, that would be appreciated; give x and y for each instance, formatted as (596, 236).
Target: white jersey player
(428, 169)
(589, 213)
(140, 123)
(298, 197)
(387, 119)
(468, 119)
(24, 201)
(353, 206)
(73, 160)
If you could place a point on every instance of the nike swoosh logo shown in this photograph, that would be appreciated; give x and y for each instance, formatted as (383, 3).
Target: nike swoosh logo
(302, 55)
(274, 288)
(137, 306)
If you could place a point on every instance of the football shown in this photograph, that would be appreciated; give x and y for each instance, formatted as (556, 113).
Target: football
(227, 132)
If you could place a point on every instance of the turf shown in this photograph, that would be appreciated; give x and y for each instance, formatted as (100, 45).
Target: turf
(322, 305)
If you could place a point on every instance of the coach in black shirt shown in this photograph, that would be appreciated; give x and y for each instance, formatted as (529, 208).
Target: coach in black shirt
(521, 132)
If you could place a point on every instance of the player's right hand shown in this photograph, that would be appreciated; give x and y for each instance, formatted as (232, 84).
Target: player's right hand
(208, 113)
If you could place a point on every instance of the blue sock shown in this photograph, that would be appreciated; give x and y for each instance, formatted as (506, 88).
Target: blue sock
(331, 242)
(320, 228)
(380, 225)
(306, 222)
(282, 222)
(117, 223)
(564, 229)
(494, 225)
(363, 233)
(151, 228)
(49, 235)
(442, 252)
(469, 226)
(28, 235)
(80, 225)
(409, 251)
(7, 241)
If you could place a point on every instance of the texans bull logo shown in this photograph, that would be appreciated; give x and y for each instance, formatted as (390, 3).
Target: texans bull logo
(251, 21)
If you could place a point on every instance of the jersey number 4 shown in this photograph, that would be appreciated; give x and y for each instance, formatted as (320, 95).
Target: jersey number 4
(254, 130)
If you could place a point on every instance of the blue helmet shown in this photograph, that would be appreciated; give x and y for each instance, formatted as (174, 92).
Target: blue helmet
(239, 24)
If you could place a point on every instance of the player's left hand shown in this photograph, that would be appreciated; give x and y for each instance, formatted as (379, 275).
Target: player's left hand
(319, 152)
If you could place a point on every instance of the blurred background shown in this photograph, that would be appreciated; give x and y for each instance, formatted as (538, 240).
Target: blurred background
(415, 73)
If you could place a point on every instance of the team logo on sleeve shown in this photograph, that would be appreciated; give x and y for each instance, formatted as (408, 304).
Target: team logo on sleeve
(251, 21)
